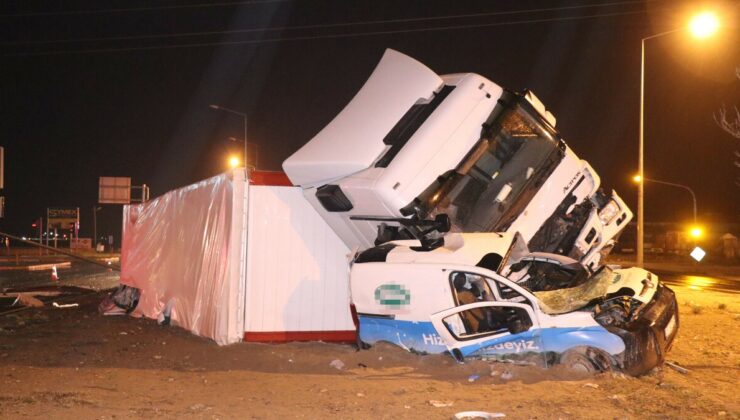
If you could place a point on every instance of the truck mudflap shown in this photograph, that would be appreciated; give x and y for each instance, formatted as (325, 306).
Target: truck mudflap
(648, 338)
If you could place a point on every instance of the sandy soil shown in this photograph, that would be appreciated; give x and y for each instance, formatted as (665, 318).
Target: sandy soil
(73, 363)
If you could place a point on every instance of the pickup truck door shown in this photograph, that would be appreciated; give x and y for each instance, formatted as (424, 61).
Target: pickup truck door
(491, 330)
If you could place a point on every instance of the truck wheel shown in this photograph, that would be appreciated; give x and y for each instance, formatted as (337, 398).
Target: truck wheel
(585, 360)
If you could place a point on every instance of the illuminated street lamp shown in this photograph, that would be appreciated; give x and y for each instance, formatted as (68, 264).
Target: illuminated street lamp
(241, 114)
(234, 161)
(696, 232)
(701, 26)
(638, 179)
(704, 25)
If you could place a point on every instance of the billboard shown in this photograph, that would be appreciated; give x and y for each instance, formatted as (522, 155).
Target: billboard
(114, 190)
(62, 217)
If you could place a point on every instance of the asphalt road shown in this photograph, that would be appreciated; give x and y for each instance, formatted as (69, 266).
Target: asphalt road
(710, 283)
(79, 274)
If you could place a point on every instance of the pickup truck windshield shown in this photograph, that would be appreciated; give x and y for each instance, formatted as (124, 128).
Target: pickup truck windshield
(498, 177)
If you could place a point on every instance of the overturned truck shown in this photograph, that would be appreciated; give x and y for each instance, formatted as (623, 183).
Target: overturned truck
(479, 231)
(437, 213)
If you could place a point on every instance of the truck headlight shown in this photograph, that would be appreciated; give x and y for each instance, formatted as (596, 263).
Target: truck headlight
(609, 212)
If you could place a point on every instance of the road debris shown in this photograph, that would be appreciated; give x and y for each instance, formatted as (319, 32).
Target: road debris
(440, 404)
(464, 415)
(67, 305)
(590, 385)
(677, 368)
(337, 364)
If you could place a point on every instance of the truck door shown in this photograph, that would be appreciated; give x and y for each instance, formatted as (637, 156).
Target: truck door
(491, 330)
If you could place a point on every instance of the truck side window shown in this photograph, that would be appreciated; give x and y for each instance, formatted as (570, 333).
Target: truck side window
(470, 288)
(491, 320)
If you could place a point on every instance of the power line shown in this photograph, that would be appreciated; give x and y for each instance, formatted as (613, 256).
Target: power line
(311, 37)
(139, 9)
(321, 26)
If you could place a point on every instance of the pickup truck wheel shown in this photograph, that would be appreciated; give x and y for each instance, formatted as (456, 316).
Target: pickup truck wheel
(584, 361)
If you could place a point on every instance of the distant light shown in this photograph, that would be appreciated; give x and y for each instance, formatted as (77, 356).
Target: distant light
(233, 161)
(704, 25)
(698, 254)
(212, 106)
(696, 232)
(637, 178)
(24, 238)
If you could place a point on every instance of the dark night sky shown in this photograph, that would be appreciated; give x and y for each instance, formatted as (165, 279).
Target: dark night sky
(68, 117)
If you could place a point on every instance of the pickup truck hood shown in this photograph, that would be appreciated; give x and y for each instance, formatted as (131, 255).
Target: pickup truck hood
(641, 282)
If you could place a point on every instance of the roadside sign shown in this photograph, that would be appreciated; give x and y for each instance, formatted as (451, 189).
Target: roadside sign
(63, 217)
(114, 190)
(698, 254)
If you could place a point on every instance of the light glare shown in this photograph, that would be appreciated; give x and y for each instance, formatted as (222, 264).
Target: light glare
(233, 161)
(704, 25)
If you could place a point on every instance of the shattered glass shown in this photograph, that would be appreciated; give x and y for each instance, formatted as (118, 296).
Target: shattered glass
(562, 301)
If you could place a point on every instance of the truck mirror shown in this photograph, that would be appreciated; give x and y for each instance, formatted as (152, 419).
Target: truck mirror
(442, 223)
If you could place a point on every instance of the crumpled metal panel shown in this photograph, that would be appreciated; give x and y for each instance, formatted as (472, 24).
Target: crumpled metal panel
(179, 250)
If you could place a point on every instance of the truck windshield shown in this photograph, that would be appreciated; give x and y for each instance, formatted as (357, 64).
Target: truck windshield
(498, 177)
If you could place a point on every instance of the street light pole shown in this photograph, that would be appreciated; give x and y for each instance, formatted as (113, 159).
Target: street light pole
(673, 184)
(244, 116)
(95, 227)
(701, 26)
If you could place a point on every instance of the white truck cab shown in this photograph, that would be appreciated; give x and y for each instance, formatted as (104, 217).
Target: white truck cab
(414, 144)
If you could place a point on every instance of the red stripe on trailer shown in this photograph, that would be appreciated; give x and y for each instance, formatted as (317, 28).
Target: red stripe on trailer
(284, 336)
(274, 178)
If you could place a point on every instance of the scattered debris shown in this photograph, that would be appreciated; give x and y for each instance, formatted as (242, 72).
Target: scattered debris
(337, 364)
(722, 306)
(478, 415)
(675, 366)
(121, 301)
(696, 309)
(473, 378)
(360, 394)
(157, 356)
(29, 300)
(362, 365)
(507, 375)
(666, 385)
(68, 305)
(440, 404)
(590, 385)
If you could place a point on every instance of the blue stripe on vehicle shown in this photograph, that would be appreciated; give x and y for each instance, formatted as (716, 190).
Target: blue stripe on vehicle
(410, 335)
(423, 337)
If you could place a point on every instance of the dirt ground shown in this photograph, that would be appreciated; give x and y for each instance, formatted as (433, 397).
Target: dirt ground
(74, 363)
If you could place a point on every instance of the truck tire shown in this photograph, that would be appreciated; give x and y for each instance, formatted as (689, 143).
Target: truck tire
(585, 360)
